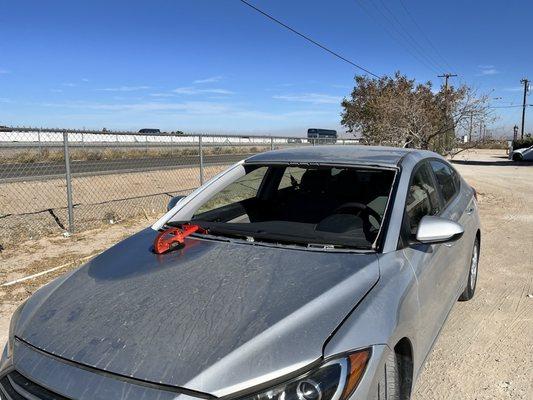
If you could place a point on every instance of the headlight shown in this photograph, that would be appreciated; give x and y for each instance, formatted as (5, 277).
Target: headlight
(12, 326)
(334, 380)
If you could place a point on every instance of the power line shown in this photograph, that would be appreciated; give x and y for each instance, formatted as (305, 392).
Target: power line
(422, 31)
(309, 39)
(393, 36)
(407, 35)
(513, 106)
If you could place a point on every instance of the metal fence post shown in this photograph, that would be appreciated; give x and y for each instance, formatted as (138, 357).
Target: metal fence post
(68, 178)
(201, 154)
(39, 139)
(271, 143)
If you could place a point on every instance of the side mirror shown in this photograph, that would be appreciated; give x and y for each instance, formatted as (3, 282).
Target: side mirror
(173, 201)
(438, 230)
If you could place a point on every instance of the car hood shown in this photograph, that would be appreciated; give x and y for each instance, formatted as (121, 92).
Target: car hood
(214, 317)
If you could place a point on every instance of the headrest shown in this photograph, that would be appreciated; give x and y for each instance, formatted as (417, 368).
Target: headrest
(348, 183)
(315, 180)
(341, 223)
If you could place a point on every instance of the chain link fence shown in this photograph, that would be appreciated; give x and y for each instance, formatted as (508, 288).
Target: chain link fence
(56, 180)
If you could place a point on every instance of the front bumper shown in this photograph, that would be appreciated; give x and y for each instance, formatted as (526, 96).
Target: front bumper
(33, 374)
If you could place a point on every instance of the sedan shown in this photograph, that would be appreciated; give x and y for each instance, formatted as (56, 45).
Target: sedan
(312, 273)
(523, 154)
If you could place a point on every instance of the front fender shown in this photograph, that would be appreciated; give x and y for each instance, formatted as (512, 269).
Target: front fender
(388, 313)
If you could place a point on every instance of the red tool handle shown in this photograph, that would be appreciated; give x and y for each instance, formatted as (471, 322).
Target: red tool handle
(172, 238)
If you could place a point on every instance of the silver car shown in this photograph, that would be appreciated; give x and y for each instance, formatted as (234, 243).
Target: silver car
(523, 154)
(314, 273)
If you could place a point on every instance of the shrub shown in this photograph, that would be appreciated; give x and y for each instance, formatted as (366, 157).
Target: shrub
(521, 143)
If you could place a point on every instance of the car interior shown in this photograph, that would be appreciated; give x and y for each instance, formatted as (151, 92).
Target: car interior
(302, 205)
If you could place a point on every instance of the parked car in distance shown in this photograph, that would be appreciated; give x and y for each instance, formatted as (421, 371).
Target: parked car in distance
(523, 154)
(312, 273)
(294, 140)
(149, 130)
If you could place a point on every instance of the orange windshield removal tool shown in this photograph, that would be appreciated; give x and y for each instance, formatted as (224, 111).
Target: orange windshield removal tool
(173, 238)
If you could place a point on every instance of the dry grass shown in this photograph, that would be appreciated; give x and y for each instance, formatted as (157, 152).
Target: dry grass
(99, 200)
(56, 155)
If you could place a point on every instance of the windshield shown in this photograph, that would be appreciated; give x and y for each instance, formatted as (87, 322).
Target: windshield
(310, 206)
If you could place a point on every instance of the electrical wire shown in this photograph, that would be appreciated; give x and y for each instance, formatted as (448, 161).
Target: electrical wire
(265, 14)
(394, 20)
(422, 31)
(393, 36)
(513, 106)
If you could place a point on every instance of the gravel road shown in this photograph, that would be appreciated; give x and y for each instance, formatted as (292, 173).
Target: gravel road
(484, 350)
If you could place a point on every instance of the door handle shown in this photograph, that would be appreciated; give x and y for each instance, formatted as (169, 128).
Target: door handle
(448, 244)
(470, 211)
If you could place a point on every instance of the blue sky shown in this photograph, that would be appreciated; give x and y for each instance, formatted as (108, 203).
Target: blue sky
(217, 66)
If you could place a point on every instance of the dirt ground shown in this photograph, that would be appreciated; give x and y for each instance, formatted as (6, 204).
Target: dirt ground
(485, 348)
(97, 199)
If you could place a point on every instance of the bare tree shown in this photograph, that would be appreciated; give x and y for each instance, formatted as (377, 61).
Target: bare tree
(399, 112)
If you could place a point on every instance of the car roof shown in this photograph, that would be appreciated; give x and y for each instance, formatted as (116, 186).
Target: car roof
(340, 154)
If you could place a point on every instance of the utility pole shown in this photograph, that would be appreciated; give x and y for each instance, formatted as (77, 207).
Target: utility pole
(525, 81)
(470, 131)
(446, 76)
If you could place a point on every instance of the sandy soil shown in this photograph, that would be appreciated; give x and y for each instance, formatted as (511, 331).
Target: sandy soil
(484, 350)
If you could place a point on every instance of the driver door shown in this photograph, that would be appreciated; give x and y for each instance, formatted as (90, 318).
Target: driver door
(427, 260)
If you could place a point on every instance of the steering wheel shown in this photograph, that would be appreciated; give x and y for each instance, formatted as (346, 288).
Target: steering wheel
(364, 211)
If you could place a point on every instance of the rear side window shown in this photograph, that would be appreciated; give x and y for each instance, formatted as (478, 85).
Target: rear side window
(447, 179)
(422, 198)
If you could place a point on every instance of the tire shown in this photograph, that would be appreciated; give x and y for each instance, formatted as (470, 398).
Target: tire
(390, 384)
(518, 157)
(470, 288)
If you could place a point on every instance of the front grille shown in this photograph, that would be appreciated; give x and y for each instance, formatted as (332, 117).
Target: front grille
(15, 386)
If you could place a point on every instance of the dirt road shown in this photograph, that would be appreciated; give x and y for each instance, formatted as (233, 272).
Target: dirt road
(485, 348)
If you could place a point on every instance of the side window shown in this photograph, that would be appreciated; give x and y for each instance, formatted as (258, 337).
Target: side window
(243, 188)
(446, 179)
(422, 198)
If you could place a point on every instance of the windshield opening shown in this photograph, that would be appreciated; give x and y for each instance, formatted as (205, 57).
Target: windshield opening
(306, 205)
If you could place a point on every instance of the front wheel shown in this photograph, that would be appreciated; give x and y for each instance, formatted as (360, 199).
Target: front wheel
(472, 274)
(389, 384)
(518, 157)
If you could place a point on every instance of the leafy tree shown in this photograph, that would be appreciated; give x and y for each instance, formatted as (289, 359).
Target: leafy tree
(398, 111)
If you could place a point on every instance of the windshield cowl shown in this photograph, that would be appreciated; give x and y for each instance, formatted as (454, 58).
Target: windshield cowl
(266, 238)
